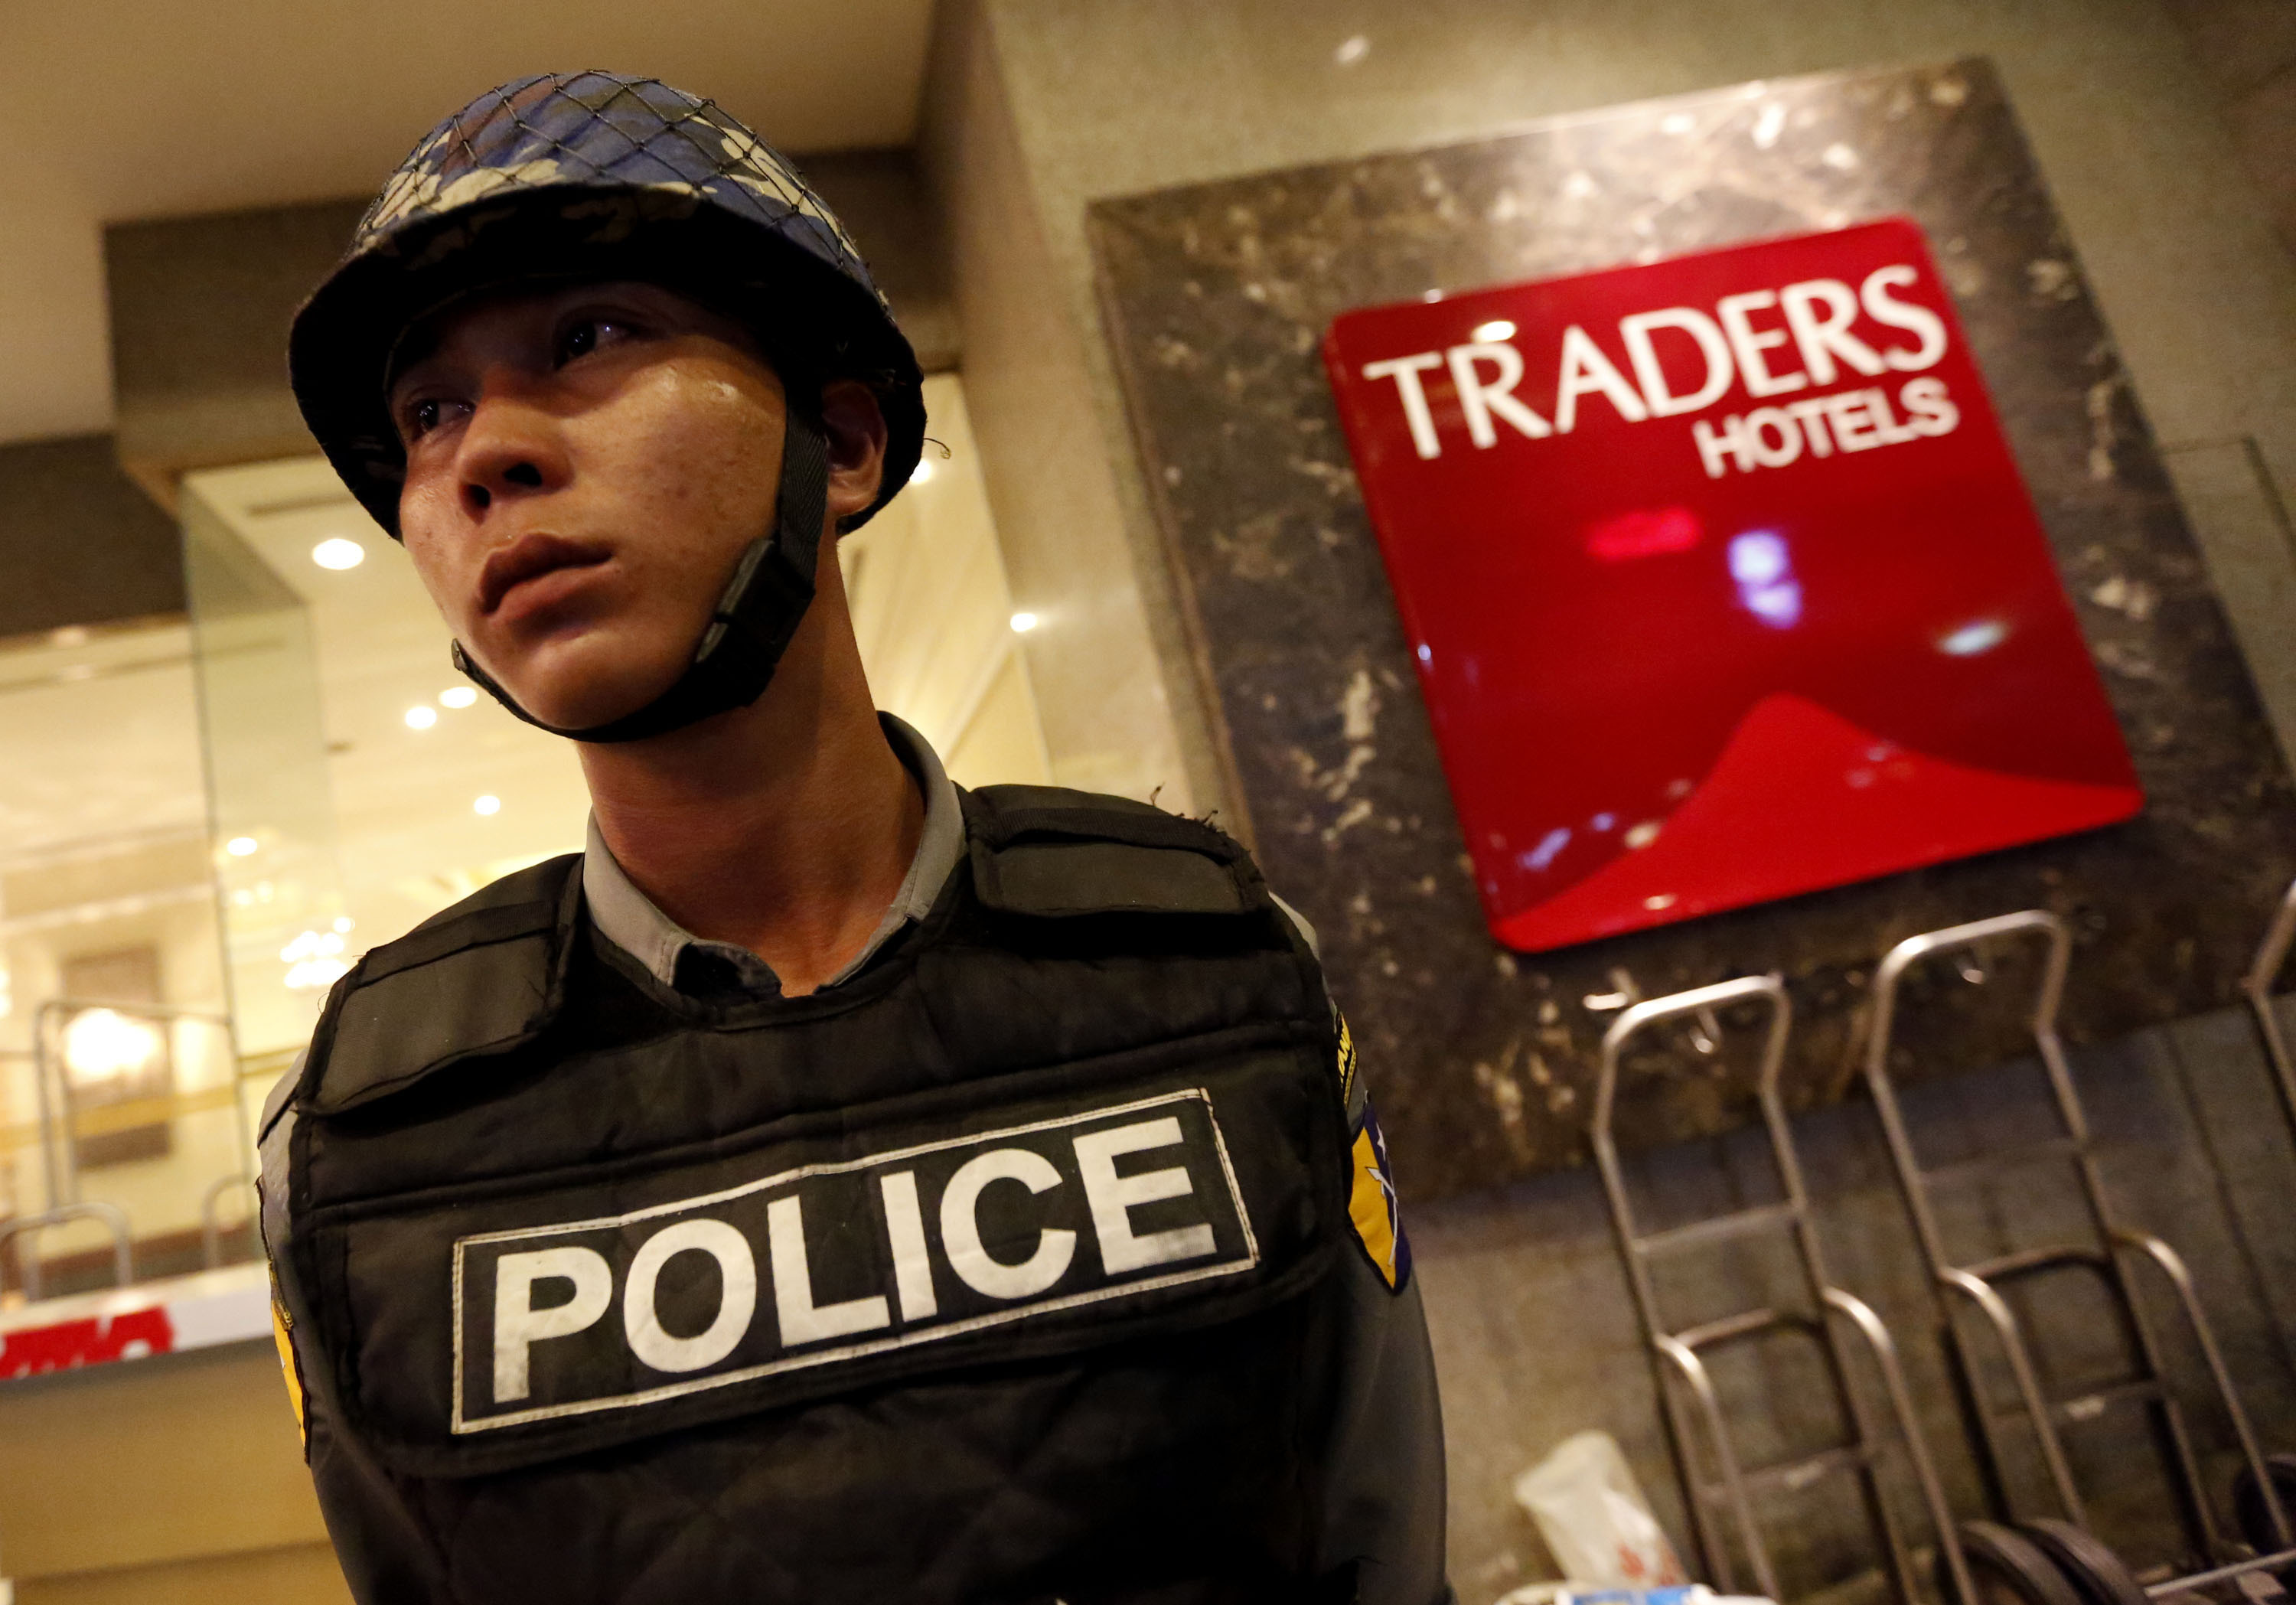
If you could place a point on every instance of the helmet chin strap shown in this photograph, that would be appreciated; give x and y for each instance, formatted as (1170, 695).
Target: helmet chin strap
(752, 625)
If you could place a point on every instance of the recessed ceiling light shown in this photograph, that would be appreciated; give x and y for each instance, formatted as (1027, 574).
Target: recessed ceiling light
(1024, 622)
(421, 717)
(337, 552)
(457, 696)
(240, 847)
(923, 471)
(486, 804)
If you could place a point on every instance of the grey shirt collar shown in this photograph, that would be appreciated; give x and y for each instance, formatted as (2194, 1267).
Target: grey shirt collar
(627, 918)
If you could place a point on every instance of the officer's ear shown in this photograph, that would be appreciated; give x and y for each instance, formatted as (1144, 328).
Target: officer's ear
(853, 430)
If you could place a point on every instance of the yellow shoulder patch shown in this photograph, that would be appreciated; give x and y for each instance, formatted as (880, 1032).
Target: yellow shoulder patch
(1371, 1207)
(279, 1324)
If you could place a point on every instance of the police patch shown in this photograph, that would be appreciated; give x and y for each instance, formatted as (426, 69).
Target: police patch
(832, 1262)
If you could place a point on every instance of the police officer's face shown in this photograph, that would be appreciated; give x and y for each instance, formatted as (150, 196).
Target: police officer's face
(584, 466)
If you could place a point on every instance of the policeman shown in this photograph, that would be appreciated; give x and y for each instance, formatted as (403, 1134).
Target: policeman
(831, 1184)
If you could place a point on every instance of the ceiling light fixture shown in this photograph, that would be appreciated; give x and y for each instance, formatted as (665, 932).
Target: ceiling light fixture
(240, 847)
(923, 473)
(457, 696)
(489, 804)
(421, 717)
(1024, 622)
(337, 552)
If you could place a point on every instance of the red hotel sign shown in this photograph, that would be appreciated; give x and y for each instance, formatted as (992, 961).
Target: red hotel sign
(1722, 582)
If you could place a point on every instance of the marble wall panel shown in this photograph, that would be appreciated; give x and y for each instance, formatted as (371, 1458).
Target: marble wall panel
(1217, 296)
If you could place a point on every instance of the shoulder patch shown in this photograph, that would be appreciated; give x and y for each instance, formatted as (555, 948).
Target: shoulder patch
(283, 1329)
(1371, 1207)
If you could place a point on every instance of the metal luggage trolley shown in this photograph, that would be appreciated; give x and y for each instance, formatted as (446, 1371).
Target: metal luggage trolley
(2271, 956)
(1676, 1355)
(1978, 1283)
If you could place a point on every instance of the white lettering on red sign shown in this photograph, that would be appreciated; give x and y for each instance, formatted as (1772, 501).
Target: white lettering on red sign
(1769, 343)
(1849, 421)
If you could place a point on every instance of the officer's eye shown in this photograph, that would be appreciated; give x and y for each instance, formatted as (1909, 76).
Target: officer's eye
(589, 332)
(418, 418)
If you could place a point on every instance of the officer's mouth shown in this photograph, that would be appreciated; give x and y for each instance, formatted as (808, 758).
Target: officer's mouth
(527, 564)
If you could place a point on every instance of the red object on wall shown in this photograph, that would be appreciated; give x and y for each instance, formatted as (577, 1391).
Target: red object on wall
(1722, 582)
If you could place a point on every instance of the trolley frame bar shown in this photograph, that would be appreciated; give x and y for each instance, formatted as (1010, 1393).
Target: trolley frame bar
(1679, 1352)
(2106, 1258)
(2271, 957)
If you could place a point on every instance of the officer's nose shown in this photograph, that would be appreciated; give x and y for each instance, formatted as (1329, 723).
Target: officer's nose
(520, 473)
(509, 450)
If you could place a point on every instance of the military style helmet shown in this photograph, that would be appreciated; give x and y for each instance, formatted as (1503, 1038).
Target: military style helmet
(572, 177)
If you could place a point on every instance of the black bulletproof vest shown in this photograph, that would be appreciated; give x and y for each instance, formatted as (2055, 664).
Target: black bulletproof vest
(998, 1272)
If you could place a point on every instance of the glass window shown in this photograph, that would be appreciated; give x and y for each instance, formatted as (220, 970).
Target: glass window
(119, 1088)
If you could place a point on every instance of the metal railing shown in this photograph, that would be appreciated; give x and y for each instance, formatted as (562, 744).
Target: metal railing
(64, 1120)
(52, 1087)
(211, 1227)
(30, 1226)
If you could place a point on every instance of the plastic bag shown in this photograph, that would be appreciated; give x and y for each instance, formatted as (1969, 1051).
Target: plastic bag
(1568, 1594)
(1594, 1517)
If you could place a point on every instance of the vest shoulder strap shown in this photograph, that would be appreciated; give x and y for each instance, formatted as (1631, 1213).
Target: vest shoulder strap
(404, 1010)
(1053, 853)
(483, 975)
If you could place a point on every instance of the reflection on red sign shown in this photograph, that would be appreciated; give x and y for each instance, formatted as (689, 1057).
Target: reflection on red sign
(95, 1340)
(1722, 582)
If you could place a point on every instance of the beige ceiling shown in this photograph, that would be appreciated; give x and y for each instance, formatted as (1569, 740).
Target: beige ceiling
(113, 110)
